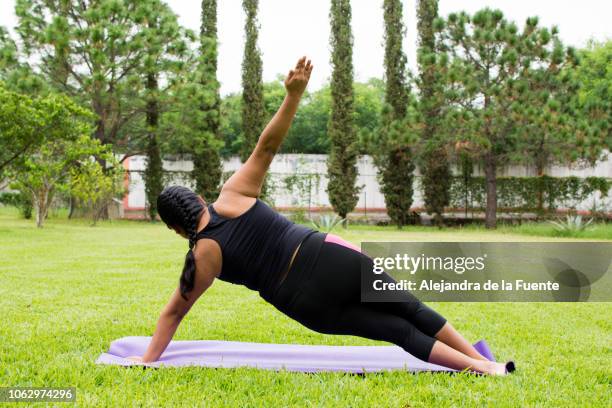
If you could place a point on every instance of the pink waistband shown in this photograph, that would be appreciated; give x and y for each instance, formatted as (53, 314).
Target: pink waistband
(334, 239)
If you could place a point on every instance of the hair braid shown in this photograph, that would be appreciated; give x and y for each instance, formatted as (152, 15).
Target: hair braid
(179, 206)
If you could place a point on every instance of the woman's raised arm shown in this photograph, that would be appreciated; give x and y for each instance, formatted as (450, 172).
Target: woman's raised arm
(248, 180)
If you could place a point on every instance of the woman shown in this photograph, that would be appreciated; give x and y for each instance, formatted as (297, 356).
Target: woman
(310, 276)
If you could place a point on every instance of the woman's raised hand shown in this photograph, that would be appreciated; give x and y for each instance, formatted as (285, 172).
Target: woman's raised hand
(297, 79)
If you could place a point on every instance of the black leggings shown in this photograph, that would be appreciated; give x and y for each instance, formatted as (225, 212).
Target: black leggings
(322, 291)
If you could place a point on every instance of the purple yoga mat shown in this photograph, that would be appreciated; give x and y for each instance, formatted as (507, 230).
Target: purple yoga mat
(290, 357)
(483, 348)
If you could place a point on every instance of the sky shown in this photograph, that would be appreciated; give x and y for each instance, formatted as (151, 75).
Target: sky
(292, 28)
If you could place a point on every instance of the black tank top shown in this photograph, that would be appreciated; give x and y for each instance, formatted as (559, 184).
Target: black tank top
(256, 246)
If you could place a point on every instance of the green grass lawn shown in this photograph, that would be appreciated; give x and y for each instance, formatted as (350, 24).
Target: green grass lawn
(69, 289)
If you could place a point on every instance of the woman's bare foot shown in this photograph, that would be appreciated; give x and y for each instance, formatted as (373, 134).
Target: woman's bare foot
(491, 368)
(446, 356)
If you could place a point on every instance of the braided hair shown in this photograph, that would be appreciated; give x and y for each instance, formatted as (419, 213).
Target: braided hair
(180, 207)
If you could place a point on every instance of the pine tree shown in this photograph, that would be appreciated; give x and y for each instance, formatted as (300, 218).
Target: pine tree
(435, 169)
(92, 50)
(394, 156)
(512, 86)
(341, 165)
(207, 166)
(108, 55)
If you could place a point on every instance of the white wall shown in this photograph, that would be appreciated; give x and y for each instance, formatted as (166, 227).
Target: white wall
(370, 197)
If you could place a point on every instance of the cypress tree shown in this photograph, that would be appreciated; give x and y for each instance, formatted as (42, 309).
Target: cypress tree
(396, 94)
(253, 106)
(341, 165)
(153, 174)
(207, 166)
(164, 44)
(394, 157)
(435, 169)
(253, 109)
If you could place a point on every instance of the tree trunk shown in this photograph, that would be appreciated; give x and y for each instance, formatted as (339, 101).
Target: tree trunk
(438, 220)
(97, 212)
(491, 180)
(71, 207)
(42, 205)
(540, 194)
(99, 133)
(39, 212)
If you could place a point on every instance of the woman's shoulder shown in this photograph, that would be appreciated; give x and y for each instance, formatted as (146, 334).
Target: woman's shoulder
(208, 257)
(230, 204)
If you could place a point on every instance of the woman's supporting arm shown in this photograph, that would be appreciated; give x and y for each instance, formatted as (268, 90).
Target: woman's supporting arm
(168, 322)
(248, 180)
(208, 266)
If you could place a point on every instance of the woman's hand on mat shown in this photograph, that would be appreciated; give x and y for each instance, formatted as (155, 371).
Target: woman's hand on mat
(297, 79)
(136, 359)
